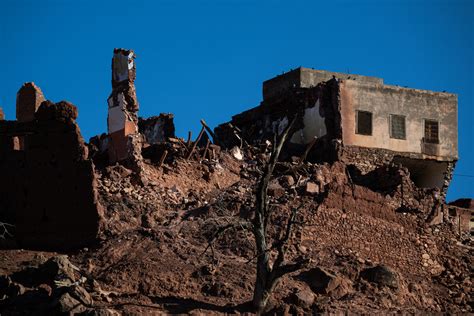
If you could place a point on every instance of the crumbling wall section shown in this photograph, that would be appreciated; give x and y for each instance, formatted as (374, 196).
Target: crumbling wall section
(314, 106)
(28, 100)
(157, 129)
(48, 187)
(424, 173)
(123, 105)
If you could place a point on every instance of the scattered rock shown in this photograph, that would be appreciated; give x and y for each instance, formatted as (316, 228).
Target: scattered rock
(276, 190)
(66, 304)
(80, 294)
(311, 188)
(287, 181)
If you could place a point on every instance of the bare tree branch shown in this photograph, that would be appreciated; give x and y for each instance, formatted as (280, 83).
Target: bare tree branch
(4, 232)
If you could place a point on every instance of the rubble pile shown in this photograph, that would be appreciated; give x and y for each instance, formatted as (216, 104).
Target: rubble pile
(149, 223)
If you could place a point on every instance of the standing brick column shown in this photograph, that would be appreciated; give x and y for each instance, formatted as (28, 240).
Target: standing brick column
(122, 119)
(28, 100)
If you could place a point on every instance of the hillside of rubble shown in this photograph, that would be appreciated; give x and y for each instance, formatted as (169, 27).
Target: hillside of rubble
(374, 241)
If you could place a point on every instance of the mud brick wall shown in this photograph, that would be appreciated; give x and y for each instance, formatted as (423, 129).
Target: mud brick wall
(48, 184)
(28, 100)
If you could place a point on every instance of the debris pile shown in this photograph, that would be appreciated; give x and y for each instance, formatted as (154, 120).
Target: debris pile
(165, 220)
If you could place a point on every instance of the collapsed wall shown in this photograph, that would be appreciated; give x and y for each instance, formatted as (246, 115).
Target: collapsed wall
(48, 188)
(328, 111)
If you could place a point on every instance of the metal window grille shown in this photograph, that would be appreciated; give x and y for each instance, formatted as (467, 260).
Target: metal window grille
(397, 127)
(431, 131)
(364, 123)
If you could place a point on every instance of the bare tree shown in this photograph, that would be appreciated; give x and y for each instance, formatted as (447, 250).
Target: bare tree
(269, 274)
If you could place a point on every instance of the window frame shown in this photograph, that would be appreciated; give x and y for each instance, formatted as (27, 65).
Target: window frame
(425, 139)
(371, 122)
(390, 126)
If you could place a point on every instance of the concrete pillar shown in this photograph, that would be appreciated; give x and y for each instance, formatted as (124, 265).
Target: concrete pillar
(28, 100)
(122, 118)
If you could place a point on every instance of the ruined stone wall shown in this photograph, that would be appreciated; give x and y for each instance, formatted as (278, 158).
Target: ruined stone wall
(415, 105)
(48, 185)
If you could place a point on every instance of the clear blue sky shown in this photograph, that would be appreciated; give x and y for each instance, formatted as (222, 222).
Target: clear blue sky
(207, 59)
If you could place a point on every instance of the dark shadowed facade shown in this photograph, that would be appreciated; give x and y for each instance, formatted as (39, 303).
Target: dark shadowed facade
(48, 185)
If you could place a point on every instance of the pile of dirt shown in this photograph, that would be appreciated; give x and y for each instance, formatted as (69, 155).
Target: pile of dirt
(368, 240)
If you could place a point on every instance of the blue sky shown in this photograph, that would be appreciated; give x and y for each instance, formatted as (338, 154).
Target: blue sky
(207, 59)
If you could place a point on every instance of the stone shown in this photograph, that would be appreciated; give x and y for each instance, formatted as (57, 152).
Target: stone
(59, 268)
(425, 256)
(237, 153)
(321, 281)
(380, 275)
(66, 303)
(303, 298)
(80, 294)
(311, 188)
(276, 190)
(287, 181)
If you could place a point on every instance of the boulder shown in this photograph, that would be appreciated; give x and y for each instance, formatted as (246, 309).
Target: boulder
(321, 281)
(380, 275)
(67, 304)
(59, 268)
(303, 298)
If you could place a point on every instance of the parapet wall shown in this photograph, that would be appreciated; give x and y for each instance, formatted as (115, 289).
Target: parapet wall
(307, 78)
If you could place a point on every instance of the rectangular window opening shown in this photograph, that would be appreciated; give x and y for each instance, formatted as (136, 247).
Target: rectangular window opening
(397, 126)
(431, 131)
(364, 123)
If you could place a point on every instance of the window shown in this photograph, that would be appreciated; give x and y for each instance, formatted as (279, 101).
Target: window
(397, 126)
(431, 131)
(364, 123)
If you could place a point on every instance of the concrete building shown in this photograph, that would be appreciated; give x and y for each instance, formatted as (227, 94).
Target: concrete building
(359, 120)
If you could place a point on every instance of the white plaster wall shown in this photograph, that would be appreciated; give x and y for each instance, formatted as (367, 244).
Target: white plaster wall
(313, 126)
(116, 119)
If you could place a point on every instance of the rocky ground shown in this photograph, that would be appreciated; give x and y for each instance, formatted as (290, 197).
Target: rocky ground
(367, 237)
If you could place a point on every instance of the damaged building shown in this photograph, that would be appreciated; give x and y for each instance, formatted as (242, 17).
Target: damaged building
(358, 120)
(50, 174)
